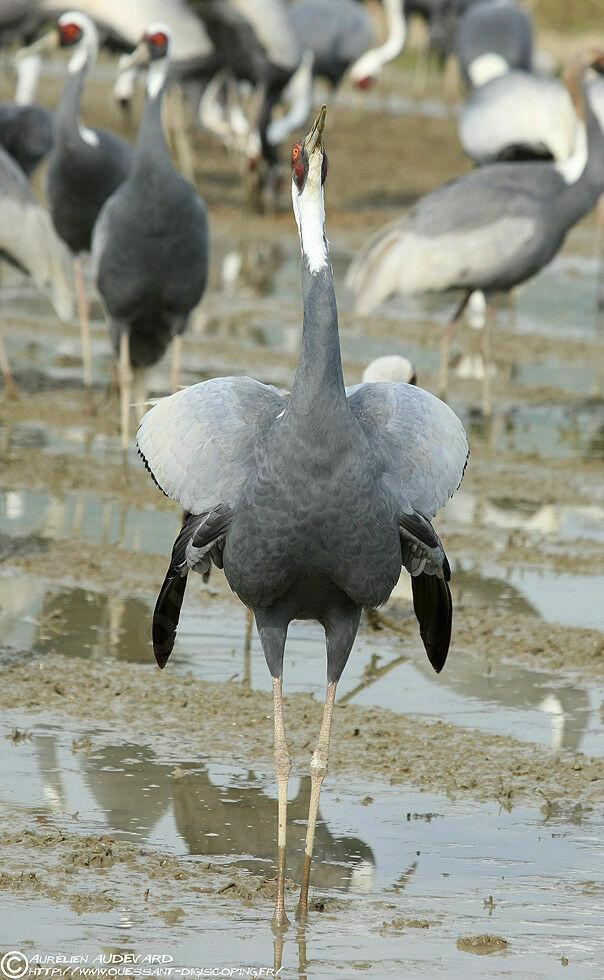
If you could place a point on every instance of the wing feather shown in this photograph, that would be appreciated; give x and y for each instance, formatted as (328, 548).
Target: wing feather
(200, 443)
(418, 440)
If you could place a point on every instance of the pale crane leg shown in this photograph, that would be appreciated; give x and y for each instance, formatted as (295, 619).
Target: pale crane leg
(247, 649)
(487, 407)
(176, 359)
(84, 316)
(445, 347)
(125, 379)
(318, 769)
(140, 391)
(282, 770)
(600, 251)
(9, 383)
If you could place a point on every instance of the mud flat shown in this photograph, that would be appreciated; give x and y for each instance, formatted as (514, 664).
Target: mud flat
(460, 820)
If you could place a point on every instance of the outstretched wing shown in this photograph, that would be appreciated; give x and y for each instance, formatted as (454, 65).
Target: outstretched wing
(418, 441)
(200, 443)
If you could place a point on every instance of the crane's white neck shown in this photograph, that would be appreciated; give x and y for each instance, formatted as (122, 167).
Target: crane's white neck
(371, 63)
(487, 67)
(82, 60)
(574, 165)
(28, 72)
(156, 77)
(298, 93)
(309, 210)
(85, 52)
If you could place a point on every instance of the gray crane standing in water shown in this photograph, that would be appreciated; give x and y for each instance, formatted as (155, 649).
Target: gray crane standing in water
(311, 502)
(85, 165)
(487, 231)
(150, 244)
(29, 242)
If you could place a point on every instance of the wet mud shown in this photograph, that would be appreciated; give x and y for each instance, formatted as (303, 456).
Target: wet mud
(460, 817)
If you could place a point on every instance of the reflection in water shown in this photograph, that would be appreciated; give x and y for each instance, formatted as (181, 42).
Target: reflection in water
(512, 513)
(558, 431)
(240, 819)
(531, 704)
(81, 514)
(223, 814)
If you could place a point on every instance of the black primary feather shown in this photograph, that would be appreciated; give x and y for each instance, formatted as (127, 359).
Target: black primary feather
(434, 610)
(201, 531)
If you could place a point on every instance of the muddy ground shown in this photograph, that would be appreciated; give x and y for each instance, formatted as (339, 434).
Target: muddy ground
(527, 548)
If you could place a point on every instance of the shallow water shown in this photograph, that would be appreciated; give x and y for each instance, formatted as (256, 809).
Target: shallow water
(474, 692)
(390, 857)
(402, 855)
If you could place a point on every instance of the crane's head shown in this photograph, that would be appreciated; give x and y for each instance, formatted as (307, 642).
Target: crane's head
(309, 170)
(74, 30)
(309, 159)
(153, 50)
(153, 46)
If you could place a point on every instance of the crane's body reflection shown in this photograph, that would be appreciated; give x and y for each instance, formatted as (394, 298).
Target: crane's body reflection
(216, 814)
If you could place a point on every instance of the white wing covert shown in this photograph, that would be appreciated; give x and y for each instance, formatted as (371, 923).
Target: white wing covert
(200, 443)
(419, 441)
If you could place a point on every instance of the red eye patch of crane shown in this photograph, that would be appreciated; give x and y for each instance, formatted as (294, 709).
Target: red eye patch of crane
(70, 32)
(157, 40)
(299, 164)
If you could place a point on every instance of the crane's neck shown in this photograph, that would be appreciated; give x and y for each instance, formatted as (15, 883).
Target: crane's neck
(151, 142)
(318, 392)
(583, 171)
(68, 123)
(371, 63)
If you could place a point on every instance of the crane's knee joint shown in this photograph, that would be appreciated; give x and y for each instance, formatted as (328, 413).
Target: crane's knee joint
(283, 764)
(318, 766)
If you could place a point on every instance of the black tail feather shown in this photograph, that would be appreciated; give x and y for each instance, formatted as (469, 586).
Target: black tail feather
(198, 530)
(166, 615)
(434, 611)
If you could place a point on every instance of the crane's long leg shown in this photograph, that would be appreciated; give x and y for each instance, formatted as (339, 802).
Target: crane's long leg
(140, 391)
(486, 361)
(600, 251)
(84, 316)
(247, 649)
(282, 770)
(318, 769)
(176, 359)
(9, 382)
(445, 348)
(125, 379)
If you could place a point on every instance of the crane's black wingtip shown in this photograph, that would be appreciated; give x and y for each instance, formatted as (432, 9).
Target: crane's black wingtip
(166, 615)
(434, 610)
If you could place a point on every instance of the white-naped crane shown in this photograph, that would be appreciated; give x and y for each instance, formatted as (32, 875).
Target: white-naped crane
(85, 165)
(310, 502)
(487, 231)
(150, 247)
(29, 242)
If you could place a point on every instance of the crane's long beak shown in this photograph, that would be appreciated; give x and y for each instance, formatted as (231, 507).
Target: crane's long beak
(48, 42)
(315, 137)
(139, 58)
